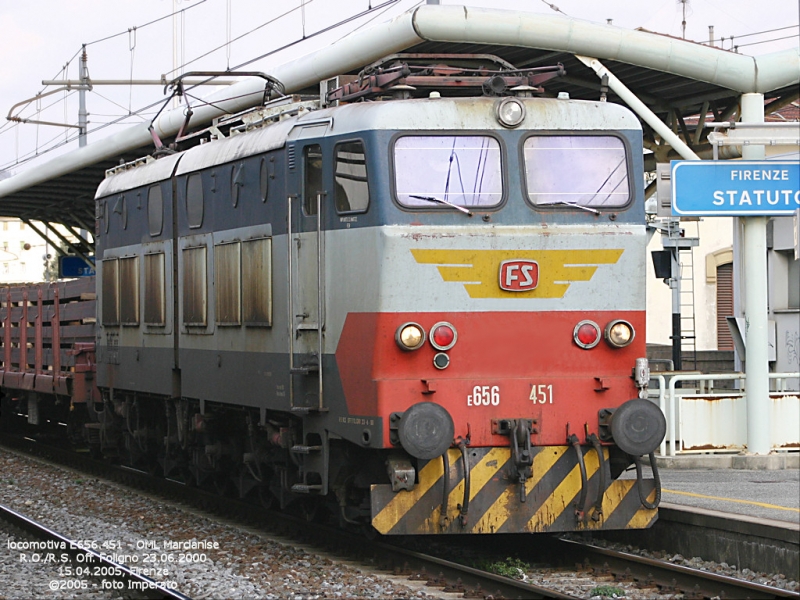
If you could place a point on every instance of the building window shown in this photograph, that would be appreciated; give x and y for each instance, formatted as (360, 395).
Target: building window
(793, 300)
(257, 278)
(724, 306)
(227, 276)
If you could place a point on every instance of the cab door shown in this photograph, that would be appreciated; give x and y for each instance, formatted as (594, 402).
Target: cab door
(306, 274)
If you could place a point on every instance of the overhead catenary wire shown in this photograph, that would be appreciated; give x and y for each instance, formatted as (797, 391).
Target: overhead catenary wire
(64, 70)
(239, 37)
(788, 37)
(384, 5)
(744, 35)
(380, 8)
(153, 22)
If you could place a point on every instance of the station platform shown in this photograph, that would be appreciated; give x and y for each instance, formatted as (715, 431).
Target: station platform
(738, 484)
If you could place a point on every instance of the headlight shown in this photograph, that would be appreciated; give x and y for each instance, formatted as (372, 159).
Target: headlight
(619, 333)
(410, 336)
(510, 112)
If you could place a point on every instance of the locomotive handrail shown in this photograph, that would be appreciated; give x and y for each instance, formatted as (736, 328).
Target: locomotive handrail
(290, 298)
(780, 377)
(320, 307)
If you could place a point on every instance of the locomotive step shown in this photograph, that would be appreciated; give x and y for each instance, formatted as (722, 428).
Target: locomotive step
(305, 449)
(305, 370)
(303, 488)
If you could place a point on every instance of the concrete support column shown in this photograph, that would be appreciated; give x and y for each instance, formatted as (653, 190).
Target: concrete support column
(755, 286)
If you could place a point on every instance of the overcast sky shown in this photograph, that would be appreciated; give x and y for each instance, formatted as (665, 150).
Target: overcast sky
(41, 37)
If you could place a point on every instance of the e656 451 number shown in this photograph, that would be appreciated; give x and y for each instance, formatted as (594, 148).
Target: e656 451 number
(484, 395)
(541, 393)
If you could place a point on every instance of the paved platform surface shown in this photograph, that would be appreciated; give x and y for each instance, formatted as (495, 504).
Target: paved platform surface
(766, 494)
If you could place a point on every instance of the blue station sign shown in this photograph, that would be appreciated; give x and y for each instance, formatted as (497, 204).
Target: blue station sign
(74, 266)
(735, 188)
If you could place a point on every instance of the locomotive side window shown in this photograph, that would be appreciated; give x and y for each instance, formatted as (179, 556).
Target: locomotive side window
(237, 181)
(257, 279)
(155, 210)
(129, 282)
(154, 304)
(263, 180)
(312, 178)
(228, 285)
(110, 296)
(194, 286)
(194, 200)
(351, 192)
(434, 170)
(589, 170)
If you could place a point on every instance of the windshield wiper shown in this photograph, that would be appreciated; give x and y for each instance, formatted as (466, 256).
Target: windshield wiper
(573, 205)
(441, 201)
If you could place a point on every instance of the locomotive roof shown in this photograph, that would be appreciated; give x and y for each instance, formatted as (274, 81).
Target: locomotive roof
(428, 114)
(672, 77)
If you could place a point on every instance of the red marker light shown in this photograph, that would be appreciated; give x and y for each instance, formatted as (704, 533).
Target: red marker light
(443, 336)
(586, 334)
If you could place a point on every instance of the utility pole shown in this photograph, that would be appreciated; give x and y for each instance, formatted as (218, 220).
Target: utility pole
(683, 23)
(83, 116)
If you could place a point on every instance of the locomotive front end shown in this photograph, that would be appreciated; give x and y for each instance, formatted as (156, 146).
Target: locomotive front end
(507, 358)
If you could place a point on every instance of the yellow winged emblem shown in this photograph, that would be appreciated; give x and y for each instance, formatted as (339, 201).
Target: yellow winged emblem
(478, 270)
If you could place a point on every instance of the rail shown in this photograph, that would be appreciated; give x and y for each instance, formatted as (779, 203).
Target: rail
(671, 578)
(669, 396)
(92, 561)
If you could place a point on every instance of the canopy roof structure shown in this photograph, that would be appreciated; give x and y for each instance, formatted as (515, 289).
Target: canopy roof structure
(674, 78)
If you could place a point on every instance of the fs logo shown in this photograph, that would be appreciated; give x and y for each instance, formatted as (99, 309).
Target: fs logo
(519, 275)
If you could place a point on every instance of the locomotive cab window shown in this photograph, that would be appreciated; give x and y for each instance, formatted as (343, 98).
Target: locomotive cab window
(351, 189)
(432, 171)
(581, 170)
(312, 178)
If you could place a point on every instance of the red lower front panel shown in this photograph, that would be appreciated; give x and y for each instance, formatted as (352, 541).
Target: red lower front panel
(504, 365)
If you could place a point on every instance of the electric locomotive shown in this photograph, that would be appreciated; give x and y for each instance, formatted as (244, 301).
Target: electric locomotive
(417, 303)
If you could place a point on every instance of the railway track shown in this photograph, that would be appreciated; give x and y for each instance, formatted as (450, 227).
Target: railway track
(438, 574)
(667, 577)
(80, 564)
(445, 573)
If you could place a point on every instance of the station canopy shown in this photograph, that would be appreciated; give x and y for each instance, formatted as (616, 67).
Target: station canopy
(683, 83)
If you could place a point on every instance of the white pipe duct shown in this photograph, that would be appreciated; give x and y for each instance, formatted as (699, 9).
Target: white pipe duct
(455, 24)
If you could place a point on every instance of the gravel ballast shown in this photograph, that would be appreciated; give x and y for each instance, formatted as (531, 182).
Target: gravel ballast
(199, 556)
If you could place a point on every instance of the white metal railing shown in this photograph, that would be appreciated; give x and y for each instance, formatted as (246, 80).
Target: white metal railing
(669, 396)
